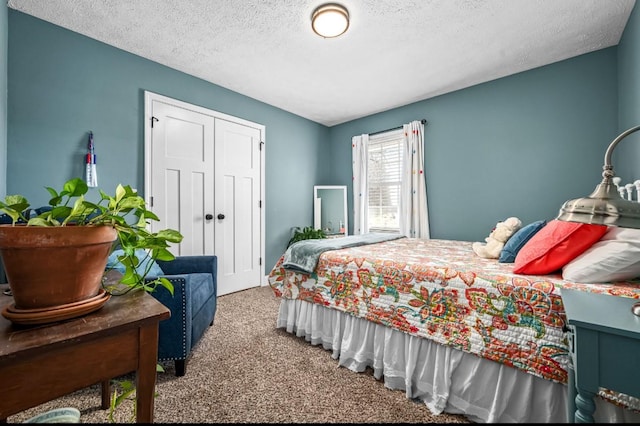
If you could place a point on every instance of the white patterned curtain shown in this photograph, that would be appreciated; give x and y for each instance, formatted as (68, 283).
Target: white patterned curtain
(360, 157)
(414, 217)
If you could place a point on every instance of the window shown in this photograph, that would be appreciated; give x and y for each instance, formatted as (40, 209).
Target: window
(384, 177)
(389, 188)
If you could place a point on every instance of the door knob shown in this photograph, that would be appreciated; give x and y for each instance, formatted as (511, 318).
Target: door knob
(220, 216)
(208, 216)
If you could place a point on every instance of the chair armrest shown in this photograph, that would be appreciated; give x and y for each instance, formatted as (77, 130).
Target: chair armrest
(175, 302)
(190, 264)
(175, 342)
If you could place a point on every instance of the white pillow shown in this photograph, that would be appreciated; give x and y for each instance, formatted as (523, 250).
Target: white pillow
(615, 257)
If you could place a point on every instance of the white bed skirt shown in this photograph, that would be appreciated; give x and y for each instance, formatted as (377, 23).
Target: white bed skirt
(445, 379)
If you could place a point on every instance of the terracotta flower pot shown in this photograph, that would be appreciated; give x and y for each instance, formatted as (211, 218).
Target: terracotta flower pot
(53, 266)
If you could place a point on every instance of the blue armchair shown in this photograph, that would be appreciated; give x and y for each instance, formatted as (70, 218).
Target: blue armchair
(193, 306)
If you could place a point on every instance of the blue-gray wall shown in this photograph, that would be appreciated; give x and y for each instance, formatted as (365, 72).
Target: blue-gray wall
(517, 146)
(626, 157)
(62, 85)
(4, 25)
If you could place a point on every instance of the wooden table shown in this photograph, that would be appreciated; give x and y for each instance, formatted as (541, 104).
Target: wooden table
(605, 348)
(44, 362)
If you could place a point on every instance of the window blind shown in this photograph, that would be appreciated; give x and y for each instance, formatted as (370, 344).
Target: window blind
(384, 175)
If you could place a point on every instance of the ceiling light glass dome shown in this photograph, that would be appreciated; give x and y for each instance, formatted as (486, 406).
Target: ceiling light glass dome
(330, 20)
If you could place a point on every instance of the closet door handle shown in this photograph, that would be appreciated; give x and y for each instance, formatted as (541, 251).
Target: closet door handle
(208, 216)
(220, 216)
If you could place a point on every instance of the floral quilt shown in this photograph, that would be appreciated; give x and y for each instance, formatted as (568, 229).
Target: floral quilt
(441, 290)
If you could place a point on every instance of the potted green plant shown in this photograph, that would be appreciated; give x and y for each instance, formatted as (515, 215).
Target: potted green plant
(306, 233)
(58, 257)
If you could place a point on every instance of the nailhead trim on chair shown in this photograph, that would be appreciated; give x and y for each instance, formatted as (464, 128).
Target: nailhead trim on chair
(184, 324)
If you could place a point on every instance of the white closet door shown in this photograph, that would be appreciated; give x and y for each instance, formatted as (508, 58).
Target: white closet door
(204, 177)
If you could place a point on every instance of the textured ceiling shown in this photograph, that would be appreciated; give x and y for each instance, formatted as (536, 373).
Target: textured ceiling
(395, 52)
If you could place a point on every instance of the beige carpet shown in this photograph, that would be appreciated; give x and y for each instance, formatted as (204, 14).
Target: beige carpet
(244, 370)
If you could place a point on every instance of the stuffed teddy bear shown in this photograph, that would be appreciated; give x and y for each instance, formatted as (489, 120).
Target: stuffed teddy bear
(497, 238)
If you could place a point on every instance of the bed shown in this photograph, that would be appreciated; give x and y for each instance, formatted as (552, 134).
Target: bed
(460, 333)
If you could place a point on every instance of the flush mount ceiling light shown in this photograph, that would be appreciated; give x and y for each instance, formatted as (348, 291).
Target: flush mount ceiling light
(330, 20)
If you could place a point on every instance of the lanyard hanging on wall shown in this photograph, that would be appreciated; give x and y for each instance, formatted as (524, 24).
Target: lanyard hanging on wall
(92, 177)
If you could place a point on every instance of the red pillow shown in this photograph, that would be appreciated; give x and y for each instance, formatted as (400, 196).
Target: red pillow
(555, 245)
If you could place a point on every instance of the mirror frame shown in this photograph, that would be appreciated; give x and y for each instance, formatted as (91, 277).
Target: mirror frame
(317, 208)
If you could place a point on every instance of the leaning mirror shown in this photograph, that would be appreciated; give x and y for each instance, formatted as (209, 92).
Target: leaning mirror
(330, 209)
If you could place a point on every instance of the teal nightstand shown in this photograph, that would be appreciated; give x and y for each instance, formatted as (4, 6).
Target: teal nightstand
(605, 348)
